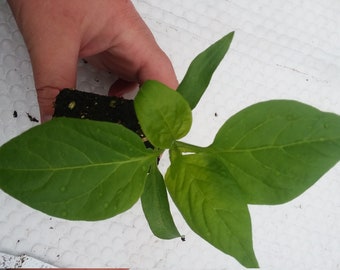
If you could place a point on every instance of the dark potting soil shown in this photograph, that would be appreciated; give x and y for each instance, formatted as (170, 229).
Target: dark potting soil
(32, 118)
(83, 105)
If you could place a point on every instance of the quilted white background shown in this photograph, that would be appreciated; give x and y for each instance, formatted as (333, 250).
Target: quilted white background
(282, 49)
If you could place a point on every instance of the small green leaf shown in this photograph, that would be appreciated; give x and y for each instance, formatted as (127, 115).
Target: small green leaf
(163, 114)
(277, 149)
(76, 169)
(212, 204)
(156, 206)
(201, 69)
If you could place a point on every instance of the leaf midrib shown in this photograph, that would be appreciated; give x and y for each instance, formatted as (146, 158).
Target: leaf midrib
(85, 166)
(270, 147)
(86, 193)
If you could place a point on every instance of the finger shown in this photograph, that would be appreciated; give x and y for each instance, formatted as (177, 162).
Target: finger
(158, 67)
(53, 44)
(135, 55)
(121, 87)
(147, 62)
(54, 68)
(154, 63)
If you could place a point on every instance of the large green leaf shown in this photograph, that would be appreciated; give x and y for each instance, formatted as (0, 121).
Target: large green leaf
(201, 69)
(76, 169)
(156, 206)
(163, 114)
(212, 204)
(277, 149)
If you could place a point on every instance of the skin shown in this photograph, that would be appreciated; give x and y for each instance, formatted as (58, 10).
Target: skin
(110, 34)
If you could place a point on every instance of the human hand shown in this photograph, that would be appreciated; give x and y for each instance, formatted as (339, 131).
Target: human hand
(108, 33)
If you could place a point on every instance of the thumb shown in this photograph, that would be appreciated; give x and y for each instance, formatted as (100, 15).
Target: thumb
(54, 68)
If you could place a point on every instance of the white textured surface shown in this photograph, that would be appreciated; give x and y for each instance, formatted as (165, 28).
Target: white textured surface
(22, 261)
(282, 49)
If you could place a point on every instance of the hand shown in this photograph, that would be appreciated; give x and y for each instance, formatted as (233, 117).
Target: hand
(108, 33)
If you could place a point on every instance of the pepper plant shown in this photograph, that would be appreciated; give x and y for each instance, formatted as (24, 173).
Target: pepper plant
(268, 153)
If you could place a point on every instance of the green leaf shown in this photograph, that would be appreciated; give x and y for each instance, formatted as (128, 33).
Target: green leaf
(156, 206)
(212, 204)
(163, 114)
(76, 169)
(200, 71)
(278, 149)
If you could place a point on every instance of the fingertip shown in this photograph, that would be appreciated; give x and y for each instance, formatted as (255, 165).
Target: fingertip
(159, 68)
(46, 99)
(45, 118)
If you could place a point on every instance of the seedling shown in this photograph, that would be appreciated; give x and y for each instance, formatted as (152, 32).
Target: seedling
(268, 153)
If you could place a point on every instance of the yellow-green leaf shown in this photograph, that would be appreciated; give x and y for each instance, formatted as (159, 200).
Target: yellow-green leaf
(277, 149)
(156, 206)
(163, 114)
(201, 70)
(212, 204)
